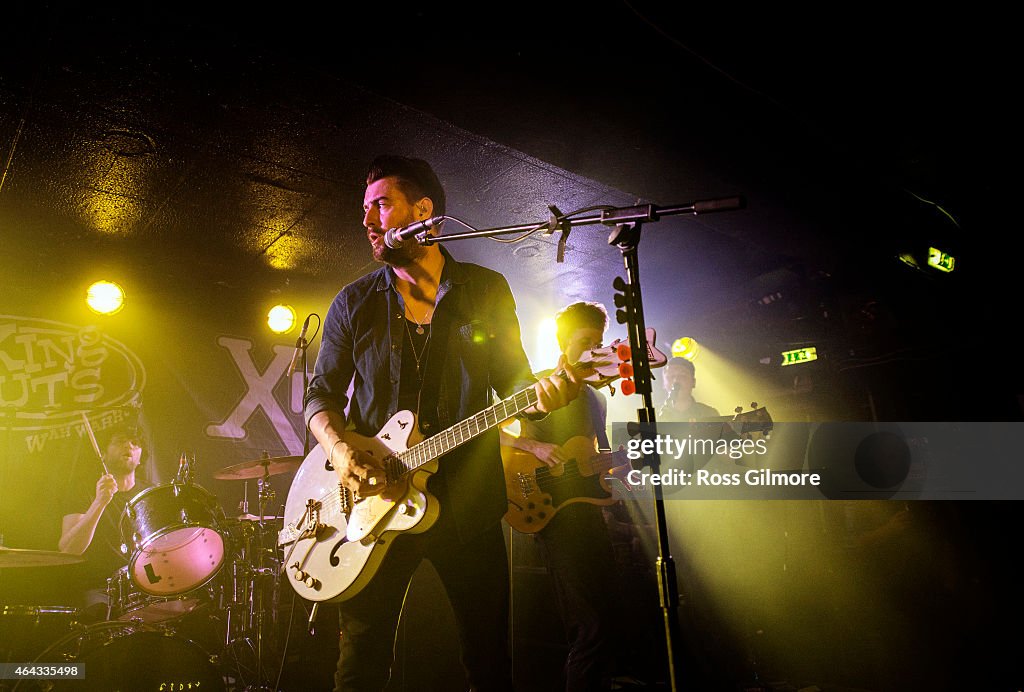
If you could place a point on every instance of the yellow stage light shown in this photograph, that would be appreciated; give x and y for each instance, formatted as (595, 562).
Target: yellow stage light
(105, 298)
(281, 319)
(685, 347)
(547, 349)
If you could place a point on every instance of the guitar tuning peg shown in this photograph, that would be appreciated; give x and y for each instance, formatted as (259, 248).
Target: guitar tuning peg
(738, 409)
(753, 404)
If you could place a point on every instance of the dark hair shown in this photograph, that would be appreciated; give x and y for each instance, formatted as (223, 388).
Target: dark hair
(686, 363)
(579, 315)
(126, 430)
(416, 179)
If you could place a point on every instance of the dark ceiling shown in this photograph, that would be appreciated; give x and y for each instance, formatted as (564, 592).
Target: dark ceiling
(225, 153)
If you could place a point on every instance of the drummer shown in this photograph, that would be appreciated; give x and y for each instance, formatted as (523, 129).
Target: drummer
(91, 523)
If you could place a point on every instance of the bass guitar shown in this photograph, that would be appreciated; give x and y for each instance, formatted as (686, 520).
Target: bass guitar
(537, 492)
(335, 541)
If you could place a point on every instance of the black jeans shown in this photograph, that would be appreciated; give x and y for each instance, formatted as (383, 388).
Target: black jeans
(475, 577)
(581, 561)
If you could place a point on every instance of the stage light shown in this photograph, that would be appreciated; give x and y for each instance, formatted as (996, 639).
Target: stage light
(105, 298)
(547, 350)
(281, 319)
(685, 347)
(940, 260)
(800, 355)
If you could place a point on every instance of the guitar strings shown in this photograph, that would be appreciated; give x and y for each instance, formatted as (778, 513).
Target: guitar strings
(433, 447)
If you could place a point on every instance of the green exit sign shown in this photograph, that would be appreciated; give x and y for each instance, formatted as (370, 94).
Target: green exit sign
(800, 355)
(943, 261)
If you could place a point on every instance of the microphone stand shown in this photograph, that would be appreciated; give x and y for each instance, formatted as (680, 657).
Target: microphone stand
(628, 222)
(305, 388)
(305, 453)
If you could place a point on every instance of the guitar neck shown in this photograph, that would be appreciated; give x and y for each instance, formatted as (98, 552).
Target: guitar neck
(466, 430)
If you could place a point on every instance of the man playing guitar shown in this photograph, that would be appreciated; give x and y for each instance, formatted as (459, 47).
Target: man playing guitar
(434, 336)
(575, 543)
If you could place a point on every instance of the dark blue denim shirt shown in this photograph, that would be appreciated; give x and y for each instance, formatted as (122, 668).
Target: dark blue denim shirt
(475, 349)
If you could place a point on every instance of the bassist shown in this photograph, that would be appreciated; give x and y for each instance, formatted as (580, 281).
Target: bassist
(575, 544)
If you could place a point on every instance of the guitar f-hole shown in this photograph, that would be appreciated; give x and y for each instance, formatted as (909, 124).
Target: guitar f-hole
(335, 560)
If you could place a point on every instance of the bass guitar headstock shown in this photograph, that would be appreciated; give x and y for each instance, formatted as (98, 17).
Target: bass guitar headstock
(602, 366)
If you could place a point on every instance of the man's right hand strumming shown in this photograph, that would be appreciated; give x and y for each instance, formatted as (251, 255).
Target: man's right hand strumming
(357, 471)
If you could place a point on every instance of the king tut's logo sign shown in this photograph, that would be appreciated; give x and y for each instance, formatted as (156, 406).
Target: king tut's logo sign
(52, 372)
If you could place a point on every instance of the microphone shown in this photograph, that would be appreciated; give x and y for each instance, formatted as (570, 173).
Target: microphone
(673, 393)
(393, 237)
(300, 345)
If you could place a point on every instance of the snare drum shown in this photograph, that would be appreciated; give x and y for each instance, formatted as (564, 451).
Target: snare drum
(173, 530)
(128, 602)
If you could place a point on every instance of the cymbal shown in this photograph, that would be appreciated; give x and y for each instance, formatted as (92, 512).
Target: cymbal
(22, 557)
(255, 469)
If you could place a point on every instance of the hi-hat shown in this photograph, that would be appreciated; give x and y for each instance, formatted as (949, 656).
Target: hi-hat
(258, 468)
(23, 557)
(254, 517)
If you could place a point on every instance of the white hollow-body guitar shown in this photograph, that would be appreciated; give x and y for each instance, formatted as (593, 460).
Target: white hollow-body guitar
(334, 542)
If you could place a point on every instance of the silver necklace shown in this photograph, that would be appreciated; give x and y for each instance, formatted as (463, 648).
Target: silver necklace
(419, 325)
(412, 346)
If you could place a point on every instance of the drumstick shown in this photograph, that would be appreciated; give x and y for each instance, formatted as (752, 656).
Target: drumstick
(95, 445)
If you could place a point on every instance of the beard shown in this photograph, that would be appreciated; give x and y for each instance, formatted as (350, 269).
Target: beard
(120, 466)
(403, 256)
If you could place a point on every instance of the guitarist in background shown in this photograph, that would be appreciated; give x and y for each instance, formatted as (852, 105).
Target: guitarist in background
(576, 544)
(679, 380)
(432, 335)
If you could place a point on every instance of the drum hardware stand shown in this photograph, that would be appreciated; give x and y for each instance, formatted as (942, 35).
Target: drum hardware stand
(243, 506)
(627, 223)
(248, 585)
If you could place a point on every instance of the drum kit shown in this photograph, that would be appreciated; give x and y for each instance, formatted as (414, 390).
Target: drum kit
(196, 607)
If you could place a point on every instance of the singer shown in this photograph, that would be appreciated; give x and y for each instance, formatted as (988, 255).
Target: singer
(679, 379)
(429, 334)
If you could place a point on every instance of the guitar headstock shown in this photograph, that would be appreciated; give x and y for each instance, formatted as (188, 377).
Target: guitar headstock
(756, 420)
(602, 364)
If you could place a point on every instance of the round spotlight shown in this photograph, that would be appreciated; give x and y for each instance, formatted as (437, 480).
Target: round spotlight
(105, 298)
(685, 347)
(281, 319)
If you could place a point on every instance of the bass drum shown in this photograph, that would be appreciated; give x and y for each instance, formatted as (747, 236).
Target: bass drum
(133, 659)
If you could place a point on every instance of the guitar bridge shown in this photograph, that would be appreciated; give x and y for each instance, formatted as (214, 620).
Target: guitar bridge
(345, 498)
(526, 486)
